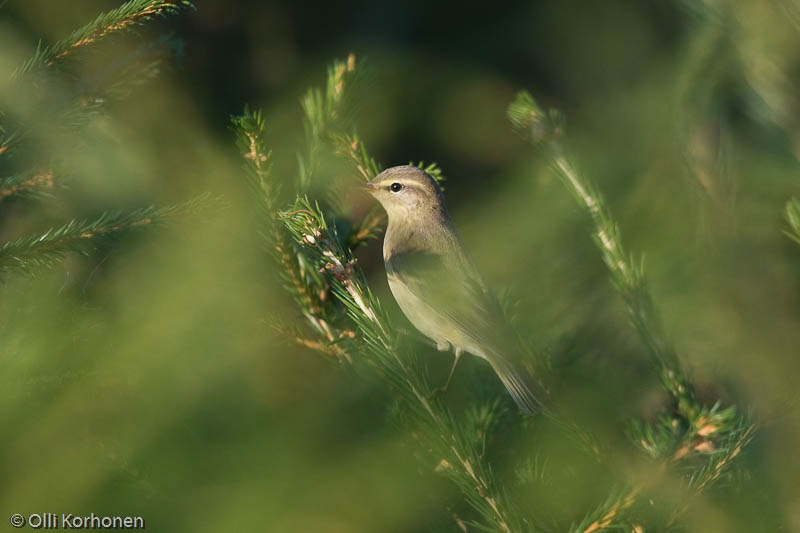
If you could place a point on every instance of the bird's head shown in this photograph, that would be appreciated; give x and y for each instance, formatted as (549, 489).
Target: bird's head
(406, 191)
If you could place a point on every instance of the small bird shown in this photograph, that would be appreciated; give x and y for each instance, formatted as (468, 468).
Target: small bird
(435, 283)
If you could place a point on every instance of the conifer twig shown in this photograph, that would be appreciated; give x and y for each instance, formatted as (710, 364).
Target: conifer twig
(124, 18)
(352, 148)
(26, 254)
(250, 130)
(305, 284)
(608, 515)
(26, 184)
(692, 430)
(459, 458)
(330, 290)
(626, 273)
(322, 109)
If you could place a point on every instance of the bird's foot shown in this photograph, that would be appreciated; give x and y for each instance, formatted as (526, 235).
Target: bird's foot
(438, 391)
(443, 389)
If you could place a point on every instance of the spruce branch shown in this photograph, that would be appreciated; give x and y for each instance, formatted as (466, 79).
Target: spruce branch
(433, 170)
(317, 268)
(128, 16)
(304, 284)
(27, 254)
(351, 148)
(459, 457)
(73, 107)
(627, 274)
(249, 129)
(691, 430)
(327, 122)
(74, 103)
(609, 515)
(327, 117)
(333, 350)
(325, 111)
(732, 445)
(368, 228)
(26, 184)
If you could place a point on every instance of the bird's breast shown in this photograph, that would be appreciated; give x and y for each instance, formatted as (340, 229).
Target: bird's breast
(426, 318)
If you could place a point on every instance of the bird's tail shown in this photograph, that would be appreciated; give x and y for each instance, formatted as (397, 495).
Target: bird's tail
(514, 379)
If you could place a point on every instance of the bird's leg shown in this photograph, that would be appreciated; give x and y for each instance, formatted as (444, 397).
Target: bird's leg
(457, 353)
(457, 356)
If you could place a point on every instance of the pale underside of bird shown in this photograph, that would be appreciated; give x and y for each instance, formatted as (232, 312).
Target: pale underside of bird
(435, 283)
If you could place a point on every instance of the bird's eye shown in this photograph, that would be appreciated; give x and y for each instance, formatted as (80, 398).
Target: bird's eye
(396, 187)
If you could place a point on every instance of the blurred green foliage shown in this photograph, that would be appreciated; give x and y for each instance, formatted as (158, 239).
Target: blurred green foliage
(146, 378)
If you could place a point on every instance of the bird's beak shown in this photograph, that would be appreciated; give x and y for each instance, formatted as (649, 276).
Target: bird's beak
(369, 188)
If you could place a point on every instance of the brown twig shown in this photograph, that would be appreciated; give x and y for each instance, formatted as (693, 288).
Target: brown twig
(43, 179)
(155, 8)
(607, 520)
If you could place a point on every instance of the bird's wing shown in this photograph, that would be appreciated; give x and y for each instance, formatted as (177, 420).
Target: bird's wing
(458, 295)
